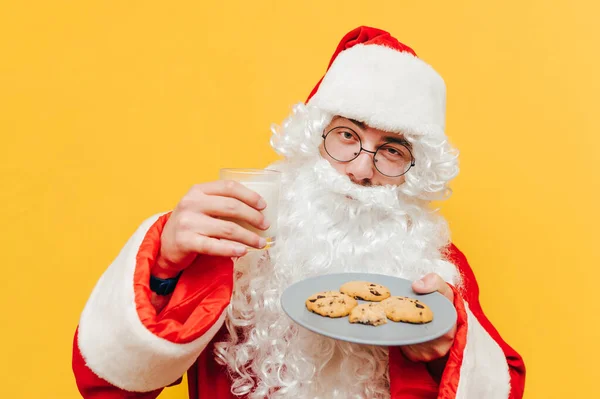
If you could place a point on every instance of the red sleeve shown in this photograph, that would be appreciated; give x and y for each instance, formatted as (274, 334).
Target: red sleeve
(200, 297)
(123, 346)
(470, 292)
(480, 363)
(410, 380)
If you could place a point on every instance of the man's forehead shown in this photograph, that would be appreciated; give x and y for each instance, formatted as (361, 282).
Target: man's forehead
(358, 123)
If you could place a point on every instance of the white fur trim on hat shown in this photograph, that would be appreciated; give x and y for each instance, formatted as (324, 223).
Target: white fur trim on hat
(384, 88)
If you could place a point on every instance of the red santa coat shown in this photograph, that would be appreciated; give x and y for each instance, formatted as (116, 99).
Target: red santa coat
(123, 349)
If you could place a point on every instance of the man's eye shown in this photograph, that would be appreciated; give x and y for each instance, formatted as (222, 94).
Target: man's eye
(393, 152)
(347, 136)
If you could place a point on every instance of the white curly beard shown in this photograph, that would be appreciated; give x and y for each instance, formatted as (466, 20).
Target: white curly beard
(327, 224)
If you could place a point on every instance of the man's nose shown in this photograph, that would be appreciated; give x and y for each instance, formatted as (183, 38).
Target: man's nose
(361, 168)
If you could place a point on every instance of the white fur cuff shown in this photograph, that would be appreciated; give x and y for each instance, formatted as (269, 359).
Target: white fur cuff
(114, 342)
(484, 372)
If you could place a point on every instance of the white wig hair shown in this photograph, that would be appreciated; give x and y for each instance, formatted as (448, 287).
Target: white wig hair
(436, 161)
(327, 224)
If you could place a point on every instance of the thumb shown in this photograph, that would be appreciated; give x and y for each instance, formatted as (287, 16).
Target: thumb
(425, 285)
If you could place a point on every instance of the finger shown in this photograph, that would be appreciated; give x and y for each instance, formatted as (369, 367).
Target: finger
(411, 353)
(431, 283)
(427, 351)
(233, 189)
(224, 207)
(212, 246)
(424, 355)
(232, 232)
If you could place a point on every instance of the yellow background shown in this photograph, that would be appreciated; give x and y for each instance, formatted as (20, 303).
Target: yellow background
(110, 110)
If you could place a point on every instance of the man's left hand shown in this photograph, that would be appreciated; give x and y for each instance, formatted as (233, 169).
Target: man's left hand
(438, 348)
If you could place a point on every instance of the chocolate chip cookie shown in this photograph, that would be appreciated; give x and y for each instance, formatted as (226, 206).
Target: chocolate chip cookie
(331, 304)
(407, 310)
(365, 290)
(371, 314)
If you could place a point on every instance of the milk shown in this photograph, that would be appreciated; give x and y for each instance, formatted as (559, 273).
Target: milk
(270, 193)
(265, 183)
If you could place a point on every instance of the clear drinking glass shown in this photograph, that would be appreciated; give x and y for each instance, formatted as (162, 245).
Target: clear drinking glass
(266, 183)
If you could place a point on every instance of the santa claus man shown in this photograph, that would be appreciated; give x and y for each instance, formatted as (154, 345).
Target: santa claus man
(363, 157)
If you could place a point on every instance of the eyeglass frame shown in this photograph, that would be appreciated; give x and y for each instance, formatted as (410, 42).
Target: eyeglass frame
(412, 158)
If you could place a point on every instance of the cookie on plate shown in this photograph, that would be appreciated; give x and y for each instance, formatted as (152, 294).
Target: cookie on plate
(365, 290)
(407, 310)
(331, 304)
(371, 314)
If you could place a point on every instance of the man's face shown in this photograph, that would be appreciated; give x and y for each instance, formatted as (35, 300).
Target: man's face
(362, 170)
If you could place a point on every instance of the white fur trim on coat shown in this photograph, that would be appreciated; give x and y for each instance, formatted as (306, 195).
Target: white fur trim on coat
(114, 342)
(385, 88)
(484, 372)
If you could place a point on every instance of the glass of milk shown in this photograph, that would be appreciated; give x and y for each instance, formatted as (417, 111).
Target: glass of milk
(266, 183)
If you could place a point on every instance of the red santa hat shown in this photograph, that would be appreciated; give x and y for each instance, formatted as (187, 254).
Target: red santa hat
(375, 79)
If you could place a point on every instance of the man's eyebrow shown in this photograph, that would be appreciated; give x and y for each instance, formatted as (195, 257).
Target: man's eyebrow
(361, 125)
(387, 139)
(397, 140)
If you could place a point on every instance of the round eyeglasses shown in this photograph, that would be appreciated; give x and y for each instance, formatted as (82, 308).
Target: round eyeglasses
(390, 159)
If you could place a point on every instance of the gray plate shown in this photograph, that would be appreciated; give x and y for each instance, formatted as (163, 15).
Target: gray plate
(390, 334)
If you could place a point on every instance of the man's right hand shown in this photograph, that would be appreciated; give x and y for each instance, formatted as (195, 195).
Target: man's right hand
(195, 227)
